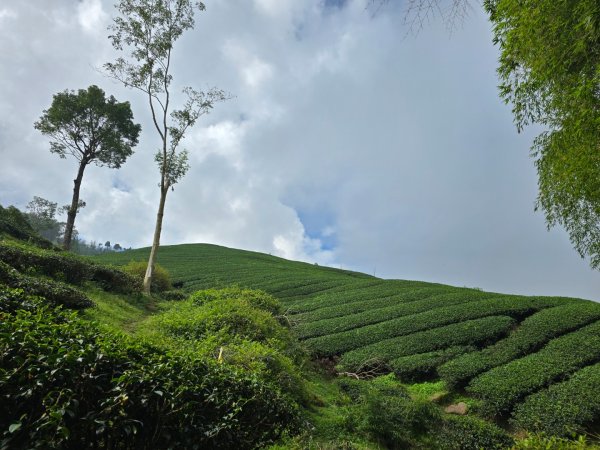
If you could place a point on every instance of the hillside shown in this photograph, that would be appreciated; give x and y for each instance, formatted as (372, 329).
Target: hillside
(253, 351)
(512, 357)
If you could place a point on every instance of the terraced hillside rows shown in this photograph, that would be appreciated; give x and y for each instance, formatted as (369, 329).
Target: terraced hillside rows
(515, 353)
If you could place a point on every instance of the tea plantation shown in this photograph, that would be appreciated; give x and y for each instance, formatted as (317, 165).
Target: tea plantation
(245, 350)
(514, 357)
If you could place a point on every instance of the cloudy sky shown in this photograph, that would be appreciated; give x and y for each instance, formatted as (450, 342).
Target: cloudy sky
(350, 142)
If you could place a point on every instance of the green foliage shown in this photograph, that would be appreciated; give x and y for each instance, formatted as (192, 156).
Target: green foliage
(14, 223)
(426, 390)
(383, 410)
(227, 317)
(550, 72)
(65, 266)
(470, 332)
(90, 127)
(393, 417)
(57, 293)
(13, 299)
(253, 297)
(65, 384)
(161, 279)
(532, 334)
(336, 343)
(564, 408)
(470, 433)
(236, 327)
(423, 365)
(173, 295)
(541, 442)
(402, 307)
(358, 299)
(423, 339)
(41, 214)
(504, 386)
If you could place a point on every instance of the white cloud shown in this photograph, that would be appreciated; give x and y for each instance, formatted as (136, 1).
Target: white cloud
(91, 16)
(253, 71)
(6, 13)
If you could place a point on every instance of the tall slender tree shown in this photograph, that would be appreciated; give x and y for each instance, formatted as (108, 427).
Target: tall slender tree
(146, 31)
(91, 128)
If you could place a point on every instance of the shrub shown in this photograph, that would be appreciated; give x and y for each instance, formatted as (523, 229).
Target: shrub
(393, 417)
(161, 280)
(423, 365)
(174, 295)
(14, 223)
(55, 292)
(13, 299)
(65, 384)
(517, 307)
(469, 433)
(532, 334)
(253, 297)
(504, 386)
(50, 263)
(564, 408)
(470, 332)
(224, 326)
(371, 290)
(66, 267)
(383, 409)
(227, 318)
(318, 327)
(537, 442)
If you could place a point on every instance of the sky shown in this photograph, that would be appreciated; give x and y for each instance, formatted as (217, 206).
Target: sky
(349, 142)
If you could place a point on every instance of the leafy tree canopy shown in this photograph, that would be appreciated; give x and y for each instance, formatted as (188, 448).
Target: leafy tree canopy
(550, 73)
(90, 127)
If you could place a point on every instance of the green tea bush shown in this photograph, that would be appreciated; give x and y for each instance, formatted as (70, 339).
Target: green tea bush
(13, 299)
(504, 386)
(65, 384)
(55, 292)
(50, 263)
(66, 267)
(229, 325)
(423, 365)
(470, 332)
(382, 409)
(253, 297)
(228, 318)
(531, 335)
(392, 417)
(564, 408)
(470, 433)
(370, 292)
(161, 280)
(174, 295)
(337, 343)
(539, 441)
(13, 223)
(265, 361)
(375, 314)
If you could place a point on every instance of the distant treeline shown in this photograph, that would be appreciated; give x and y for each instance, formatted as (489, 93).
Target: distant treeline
(42, 215)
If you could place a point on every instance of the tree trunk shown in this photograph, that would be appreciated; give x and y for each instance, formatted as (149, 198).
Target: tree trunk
(155, 241)
(74, 206)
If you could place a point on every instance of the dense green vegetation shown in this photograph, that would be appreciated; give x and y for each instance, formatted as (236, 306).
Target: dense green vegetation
(532, 334)
(506, 346)
(226, 357)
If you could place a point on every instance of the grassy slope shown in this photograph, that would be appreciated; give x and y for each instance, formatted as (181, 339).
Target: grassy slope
(410, 327)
